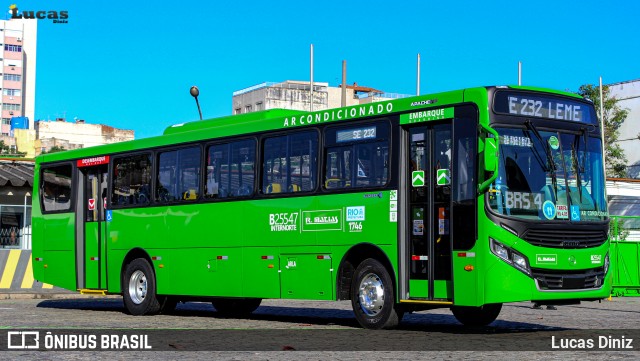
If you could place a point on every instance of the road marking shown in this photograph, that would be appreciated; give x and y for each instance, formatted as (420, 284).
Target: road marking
(10, 268)
(27, 281)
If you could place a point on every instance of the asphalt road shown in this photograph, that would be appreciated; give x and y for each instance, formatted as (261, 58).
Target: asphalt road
(325, 330)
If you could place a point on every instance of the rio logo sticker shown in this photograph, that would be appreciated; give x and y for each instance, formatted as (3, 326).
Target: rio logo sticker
(355, 214)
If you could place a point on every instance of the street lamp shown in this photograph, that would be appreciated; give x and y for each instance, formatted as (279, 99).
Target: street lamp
(194, 93)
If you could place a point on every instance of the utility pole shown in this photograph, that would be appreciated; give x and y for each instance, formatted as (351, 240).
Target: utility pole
(418, 77)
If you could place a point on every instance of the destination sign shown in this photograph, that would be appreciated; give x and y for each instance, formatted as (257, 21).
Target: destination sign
(364, 133)
(88, 162)
(543, 106)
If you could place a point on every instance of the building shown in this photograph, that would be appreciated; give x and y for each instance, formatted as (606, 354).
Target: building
(19, 38)
(296, 95)
(77, 134)
(628, 95)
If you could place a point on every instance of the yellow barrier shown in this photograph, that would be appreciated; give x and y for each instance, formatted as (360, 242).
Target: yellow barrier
(16, 274)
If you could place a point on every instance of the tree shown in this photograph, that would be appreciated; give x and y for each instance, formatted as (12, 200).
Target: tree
(54, 149)
(614, 116)
(6, 150)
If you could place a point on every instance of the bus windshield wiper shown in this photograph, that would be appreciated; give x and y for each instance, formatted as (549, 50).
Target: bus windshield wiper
(577, 166)
(552, 165)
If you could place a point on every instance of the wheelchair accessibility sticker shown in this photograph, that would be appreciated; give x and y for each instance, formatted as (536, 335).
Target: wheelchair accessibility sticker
(575, 213)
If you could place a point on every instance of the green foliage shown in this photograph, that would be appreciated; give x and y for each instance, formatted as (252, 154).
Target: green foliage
(617, 230)
(5, 150)
(614, 116)
(54, 149)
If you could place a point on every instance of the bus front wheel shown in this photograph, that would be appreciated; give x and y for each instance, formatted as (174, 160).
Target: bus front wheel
(372, 296)
(139, 288)
(477, 316)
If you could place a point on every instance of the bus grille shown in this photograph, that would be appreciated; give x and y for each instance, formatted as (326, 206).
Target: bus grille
(568, 280)
(565, 238)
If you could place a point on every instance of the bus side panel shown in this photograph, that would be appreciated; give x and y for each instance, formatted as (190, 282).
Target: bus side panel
(261, 277)
(195, 248)
(37, 253)
(272, 228)
(114, 265)
(468, 286)
(58, 250)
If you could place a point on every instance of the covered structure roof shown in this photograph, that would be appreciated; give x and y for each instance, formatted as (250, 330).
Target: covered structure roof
(17, 173)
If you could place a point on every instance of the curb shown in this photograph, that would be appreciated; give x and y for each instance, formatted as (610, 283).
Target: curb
(51, 296)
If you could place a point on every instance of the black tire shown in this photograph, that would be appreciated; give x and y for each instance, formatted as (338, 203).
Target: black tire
(168, 304)
(236, 307)
(477, 316)
(372, 296)
(139, 288)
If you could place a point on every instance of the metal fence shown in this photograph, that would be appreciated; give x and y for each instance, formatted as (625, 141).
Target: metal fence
(624, 233)
(15, 227)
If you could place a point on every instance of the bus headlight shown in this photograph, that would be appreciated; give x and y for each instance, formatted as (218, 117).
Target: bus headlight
(499, 250)
(511, 256)
(606, 264)
(520, 262)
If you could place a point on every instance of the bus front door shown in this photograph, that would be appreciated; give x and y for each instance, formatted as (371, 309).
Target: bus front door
(93, 209)
(428, 194)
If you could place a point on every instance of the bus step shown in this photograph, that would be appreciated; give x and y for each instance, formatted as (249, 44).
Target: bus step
(93, 292)
(432, 302)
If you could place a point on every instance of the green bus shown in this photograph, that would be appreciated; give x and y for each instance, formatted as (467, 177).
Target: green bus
(464, 200)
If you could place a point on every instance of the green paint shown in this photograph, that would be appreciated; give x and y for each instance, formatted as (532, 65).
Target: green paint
(554, 142)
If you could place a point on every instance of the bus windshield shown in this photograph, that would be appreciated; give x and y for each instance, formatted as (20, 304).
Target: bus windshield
(549, 176)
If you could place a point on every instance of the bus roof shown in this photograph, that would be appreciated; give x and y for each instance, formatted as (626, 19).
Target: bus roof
(230, 119)
(276, 119)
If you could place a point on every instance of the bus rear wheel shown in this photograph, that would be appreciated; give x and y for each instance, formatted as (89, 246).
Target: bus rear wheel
(477, 316)
(372, 296)
(236, 307)
(139, 288)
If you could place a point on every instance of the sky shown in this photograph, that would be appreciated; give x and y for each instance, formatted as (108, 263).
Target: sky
(131, 65)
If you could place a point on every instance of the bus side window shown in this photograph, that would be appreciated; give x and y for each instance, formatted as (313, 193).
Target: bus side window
(56, 186)
(290, 163)
(230, 169)
(178, 175)
(357, 156)
(131, 180)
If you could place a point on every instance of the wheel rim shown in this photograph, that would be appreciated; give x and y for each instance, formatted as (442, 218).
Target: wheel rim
(371, 294)
(138, 287)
